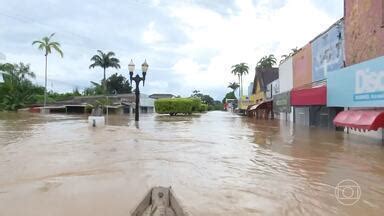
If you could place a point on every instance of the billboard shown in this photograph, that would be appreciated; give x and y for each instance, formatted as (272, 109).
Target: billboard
(360, 85)
(282, 103)
(302, 67)
(328, 52)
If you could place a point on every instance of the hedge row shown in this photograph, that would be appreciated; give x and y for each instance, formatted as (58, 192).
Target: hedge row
(174, 106)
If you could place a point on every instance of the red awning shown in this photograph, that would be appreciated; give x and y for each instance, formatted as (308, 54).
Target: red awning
(360, 119)
(311, 96)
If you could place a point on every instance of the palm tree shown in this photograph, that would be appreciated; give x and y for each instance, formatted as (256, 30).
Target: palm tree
(266, 62)
(233, 86)
(105, 60)
(292, 53)
(46, 45)
(240, 70)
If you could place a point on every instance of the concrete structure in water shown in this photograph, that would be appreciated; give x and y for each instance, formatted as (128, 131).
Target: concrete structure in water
(121, 104)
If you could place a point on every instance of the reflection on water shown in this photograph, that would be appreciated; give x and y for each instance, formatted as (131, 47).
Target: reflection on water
(217, 163)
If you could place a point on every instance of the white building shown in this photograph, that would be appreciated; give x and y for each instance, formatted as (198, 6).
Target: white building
(285, 86)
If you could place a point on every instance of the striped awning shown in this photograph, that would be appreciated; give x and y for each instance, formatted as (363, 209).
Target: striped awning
(360, 119)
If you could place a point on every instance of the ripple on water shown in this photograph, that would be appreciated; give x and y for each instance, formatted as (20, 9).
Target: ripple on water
(218, 164)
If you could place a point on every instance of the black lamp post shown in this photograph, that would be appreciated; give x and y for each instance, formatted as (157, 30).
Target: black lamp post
(137, 79)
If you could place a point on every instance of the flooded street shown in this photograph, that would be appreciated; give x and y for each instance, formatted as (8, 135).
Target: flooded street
(217, 163)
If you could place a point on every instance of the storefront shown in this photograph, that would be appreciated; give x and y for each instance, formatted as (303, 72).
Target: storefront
(310, 106)
(282, 105)
(360, 90)
(265, 86)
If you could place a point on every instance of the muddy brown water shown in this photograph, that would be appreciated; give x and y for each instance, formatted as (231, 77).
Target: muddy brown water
(217, 163)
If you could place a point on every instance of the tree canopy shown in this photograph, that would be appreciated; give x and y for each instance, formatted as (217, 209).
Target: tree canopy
(266, 62)
(17, 90)
(206, 99)
(240, 69)
(116, 84)
(46, 45)
(233, 85)
(105, 60)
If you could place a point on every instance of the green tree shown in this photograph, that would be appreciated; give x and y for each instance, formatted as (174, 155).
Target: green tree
(240, 70)
(105, 60)
(266, 62)
(16, 90)
(206, 99)
(46, 45)
(229, 95)
(95, 89)
(118, 84)
(233, 86)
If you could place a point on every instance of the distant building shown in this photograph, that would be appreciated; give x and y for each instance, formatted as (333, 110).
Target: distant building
(158, 96)
(264, 88)
(250, 88)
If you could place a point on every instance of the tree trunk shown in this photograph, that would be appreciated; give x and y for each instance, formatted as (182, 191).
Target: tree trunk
(45, 81)
(105, 84)
(239, 87)
(241, 90)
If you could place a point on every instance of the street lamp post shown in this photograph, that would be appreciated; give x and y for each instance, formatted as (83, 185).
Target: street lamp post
(137, 79)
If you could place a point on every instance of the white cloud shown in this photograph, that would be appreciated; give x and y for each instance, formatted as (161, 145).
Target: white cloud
(189, 44)
(255, 31)
(151, 36)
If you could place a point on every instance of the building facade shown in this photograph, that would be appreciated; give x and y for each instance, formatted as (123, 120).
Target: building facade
(266, 85)
(282, 101)
(359, 88)
(311, 66)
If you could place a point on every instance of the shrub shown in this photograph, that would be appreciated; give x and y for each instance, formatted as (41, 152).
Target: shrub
(203, 108)
(196, 102)
(174, 106)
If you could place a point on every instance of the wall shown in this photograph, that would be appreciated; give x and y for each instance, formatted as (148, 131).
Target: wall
(272, 89)
(328, 51)
(301, 115)
(286, 75)
(360, 85)
(302, 67)
(364, 30)
(259, 95)
(287, 116)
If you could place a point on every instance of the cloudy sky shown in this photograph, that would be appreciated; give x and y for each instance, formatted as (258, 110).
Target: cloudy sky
(189, 44)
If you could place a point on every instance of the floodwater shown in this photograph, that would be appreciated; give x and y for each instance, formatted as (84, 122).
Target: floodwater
(217, 163)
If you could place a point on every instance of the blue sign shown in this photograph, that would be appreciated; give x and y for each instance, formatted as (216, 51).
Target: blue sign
(328, 52)
(360, 85)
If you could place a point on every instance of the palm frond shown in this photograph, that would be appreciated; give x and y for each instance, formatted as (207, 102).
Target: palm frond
(35, 42)
(57, 48)
(110, 54)
(96, 64)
